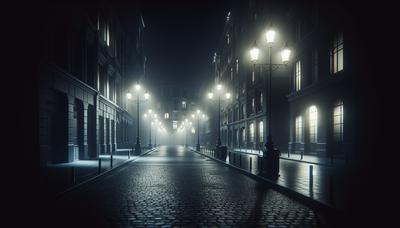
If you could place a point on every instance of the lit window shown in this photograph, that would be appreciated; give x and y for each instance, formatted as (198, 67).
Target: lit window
(251, 132)
(313, 123)
(299, 129)
(338, 122)
(243, 134)
(183, 104)
(337, 53)
(106, 33)
(253, 105)
(298, 76)
(166, 115)
(261, 131)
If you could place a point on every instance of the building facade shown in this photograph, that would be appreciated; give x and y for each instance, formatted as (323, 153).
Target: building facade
(244, 117)
(312, 101)
(322, 99)
(83, 81)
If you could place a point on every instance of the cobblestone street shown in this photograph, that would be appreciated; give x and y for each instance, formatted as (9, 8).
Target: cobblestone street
(175, 187)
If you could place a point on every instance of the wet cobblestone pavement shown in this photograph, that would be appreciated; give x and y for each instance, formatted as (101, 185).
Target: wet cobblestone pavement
(174, 187)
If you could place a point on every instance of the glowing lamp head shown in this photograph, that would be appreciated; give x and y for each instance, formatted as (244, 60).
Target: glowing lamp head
(254, 53)
(137, 87)
(198, 111)
(150, 111)
(270, 35)
(129, 95)
(192, 115)
(210, 95)
(145, 115)
(203, 116)
(219, 87)
(285, 54)
(228, 95)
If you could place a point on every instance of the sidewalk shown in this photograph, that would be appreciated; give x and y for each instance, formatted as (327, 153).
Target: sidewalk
(328, 184)
(56, 178)
(296, 157)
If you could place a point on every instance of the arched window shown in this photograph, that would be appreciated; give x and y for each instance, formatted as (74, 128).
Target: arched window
(252, 132)
(313, 124)
(338, 122)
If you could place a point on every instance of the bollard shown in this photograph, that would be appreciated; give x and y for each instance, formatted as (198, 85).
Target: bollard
(73, 175)
(311, 179)
(111, 161)
(240, 160)
(234, 158)
(288, 154)
(301, 154)
(250, 164)
(99, 171)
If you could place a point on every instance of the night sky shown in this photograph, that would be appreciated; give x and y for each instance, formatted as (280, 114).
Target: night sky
(180, 40)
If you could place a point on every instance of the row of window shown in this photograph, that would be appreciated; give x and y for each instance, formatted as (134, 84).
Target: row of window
(336, 62)
(338, 123)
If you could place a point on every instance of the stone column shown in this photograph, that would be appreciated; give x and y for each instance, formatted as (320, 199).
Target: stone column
(72, 141)
(108, 134)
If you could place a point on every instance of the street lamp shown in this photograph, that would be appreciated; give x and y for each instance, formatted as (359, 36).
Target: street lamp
(197, 115)
(129, 96)
(219, 91)
(272, 154)
(148, 116)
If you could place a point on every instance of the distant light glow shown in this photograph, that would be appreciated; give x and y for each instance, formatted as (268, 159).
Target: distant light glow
(146, 96)
(210, 95)
(129, 95)
(198, 111)
(137, 87)
(192, 115)
(228, 96)
(219, 87)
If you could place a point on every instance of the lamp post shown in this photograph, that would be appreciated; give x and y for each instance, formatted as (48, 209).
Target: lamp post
(148, 116)
(219, 92)
(272, 154)
(197, 115)
(138, 99)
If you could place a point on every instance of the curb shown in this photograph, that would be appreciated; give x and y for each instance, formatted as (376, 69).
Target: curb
(314, 163)
(61, 194)
(312, 203)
